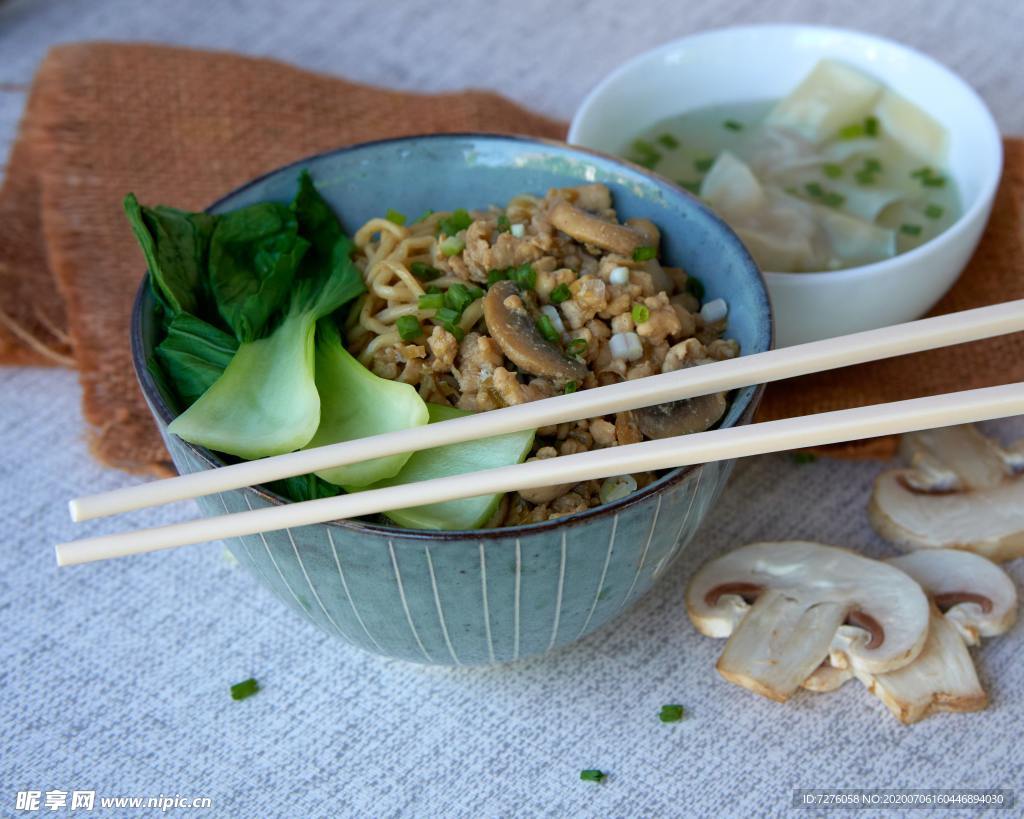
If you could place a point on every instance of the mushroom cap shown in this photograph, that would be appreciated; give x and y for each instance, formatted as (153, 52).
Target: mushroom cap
(881, 601)
(962, 491)
(973, 593)
(591, 230)
(681, 417)
(511, 325)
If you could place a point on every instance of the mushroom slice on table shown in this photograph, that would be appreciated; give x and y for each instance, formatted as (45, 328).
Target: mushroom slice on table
(972, 597)
(962, 491)
(786, 607)
(515, 330)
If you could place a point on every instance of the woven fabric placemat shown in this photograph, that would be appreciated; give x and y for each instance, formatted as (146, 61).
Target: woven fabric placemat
(181, 127)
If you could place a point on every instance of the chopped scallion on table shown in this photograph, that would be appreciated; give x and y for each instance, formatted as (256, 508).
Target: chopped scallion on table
(592, 775)
(246, 688)
(671, 713)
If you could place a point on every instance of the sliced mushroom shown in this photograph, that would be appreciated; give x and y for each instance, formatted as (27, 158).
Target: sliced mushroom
(681, 417)
(961, 491)
(590, 230)
(783, 606)
(971, 597)
(512, 326)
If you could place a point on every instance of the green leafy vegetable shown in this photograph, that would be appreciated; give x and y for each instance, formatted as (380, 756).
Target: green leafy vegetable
(355, 403)
(254, 254)
(456, 459)
(193, 355)
(304, 488)
(244, 689)
(175, 244)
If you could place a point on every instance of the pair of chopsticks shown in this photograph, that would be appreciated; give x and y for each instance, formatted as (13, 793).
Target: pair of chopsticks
(714, 445)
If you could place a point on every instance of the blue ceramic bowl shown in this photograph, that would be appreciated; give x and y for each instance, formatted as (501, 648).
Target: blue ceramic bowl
(484, 596)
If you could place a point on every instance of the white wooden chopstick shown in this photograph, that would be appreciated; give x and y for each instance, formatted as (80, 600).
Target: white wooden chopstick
(714, 445)
(842, 351)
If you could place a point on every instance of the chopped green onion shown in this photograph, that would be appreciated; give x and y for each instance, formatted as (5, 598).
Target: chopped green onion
(560, 294)
(591, 775)
(864, 177)
(704, 164)
(452, 246)
(503, 224)
(578, 346)
(733, 125)
(814, 189)
(570, 387)
(871, 126)
(448, 314)
(430, 301)
(643, 253)
(495, 276)
(524, 276)
(693, 186)
(424, 272)
(804, 457)
(547, 328)
(408, 327)
(643, 153)
(459, 220)
(246, 688)
(933, 211)
(851, 131)
(423, 216)
(872, 165)
(832, 199)
(433, 288)
(695, 286)
(934, 182)
(668, 141)
(921, 173)
(929, 178)
(640, 313)
(395, 216)
(671, 713)
(454, 329)
(458, 297)
(832, 170)
(911, 230)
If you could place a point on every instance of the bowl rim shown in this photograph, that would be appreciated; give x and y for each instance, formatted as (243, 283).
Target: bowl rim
(673, 477)
(964, 222)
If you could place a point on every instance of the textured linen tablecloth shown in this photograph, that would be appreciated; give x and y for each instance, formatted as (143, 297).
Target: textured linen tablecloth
(114, 677)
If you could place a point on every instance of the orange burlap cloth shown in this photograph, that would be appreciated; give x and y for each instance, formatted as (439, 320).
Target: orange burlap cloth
(181, 127)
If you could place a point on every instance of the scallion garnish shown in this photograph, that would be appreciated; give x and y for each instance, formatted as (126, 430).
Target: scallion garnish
(423, 216)
(424, 272)
(643, 153)
(457, 297)
(871, 126)
(560, 294)
(409, 327)
(851, 131)
(693, 186)
(814, 189)
(395, 216)
(671, 713)
(704, 164)
(832, 170)
(458, 220)
(640, 313)
(430, 301)
(864, 177)
(695, 286)
(578, 346)
(524, 276)
(872, 165)
(832, 199)
(503, 223)
(495, 276)
(452, 246)
(547, 328)
(929, 178)
(246, 688)
(933, 211)
(644, 253)
(668, 141)
(733, 125)
(938, 181)
(910, 230)
(591, 775)
(570, 387)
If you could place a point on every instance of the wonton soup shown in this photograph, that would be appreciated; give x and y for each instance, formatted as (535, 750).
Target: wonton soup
(840, 173)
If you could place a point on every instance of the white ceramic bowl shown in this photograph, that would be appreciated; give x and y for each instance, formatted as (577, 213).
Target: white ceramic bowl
(765, 62)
